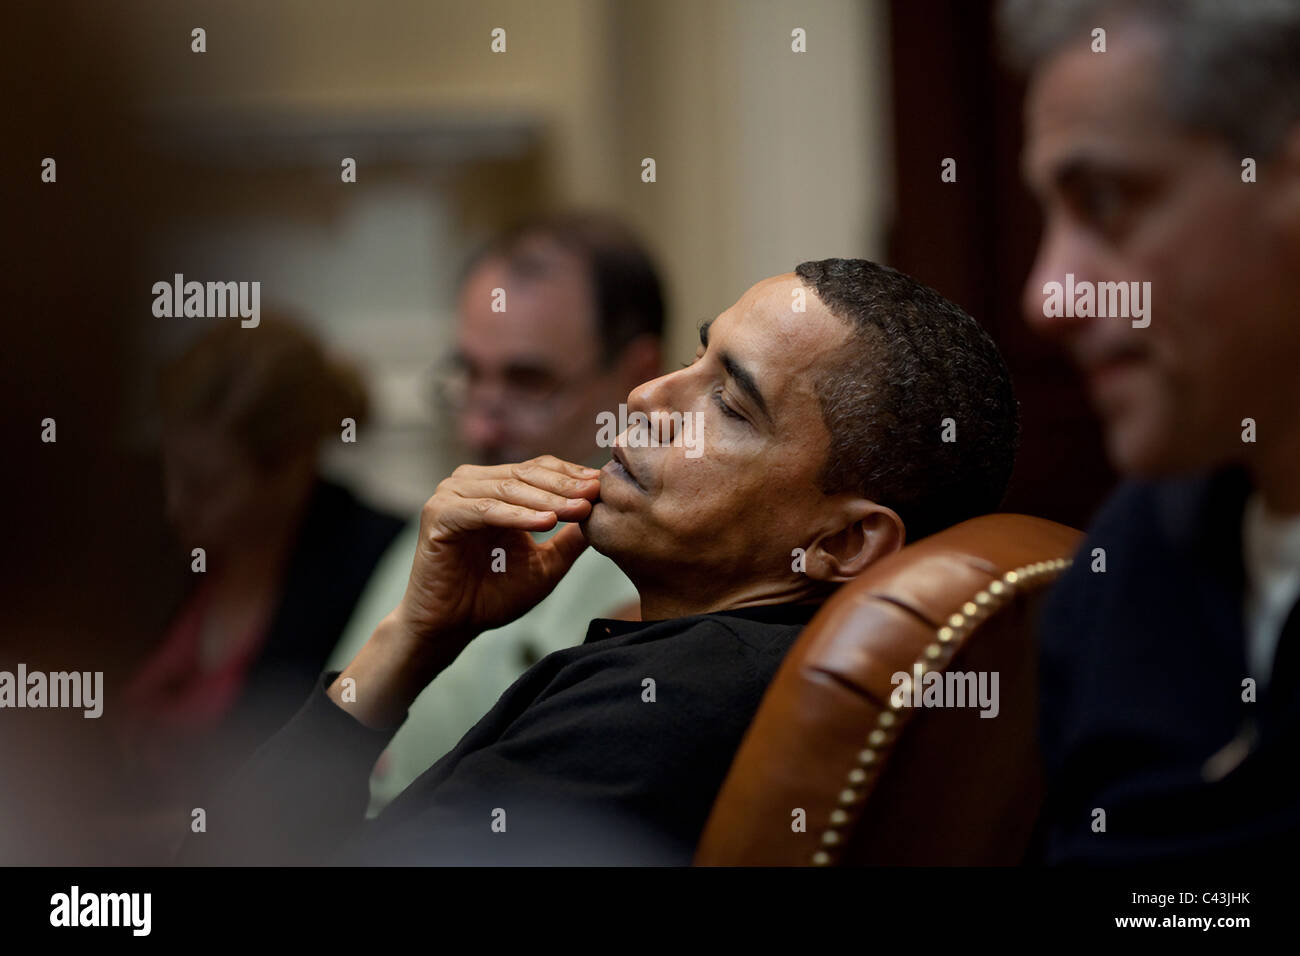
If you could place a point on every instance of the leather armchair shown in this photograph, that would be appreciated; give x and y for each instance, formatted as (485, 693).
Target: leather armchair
(880, 780)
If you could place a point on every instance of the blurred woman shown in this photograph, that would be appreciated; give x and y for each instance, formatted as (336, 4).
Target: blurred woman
(285, 553)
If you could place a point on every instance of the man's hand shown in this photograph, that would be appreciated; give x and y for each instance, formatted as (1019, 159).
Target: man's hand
(454, 593)
(476, 566)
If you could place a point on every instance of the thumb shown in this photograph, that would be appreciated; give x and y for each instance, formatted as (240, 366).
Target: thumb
(566, 545)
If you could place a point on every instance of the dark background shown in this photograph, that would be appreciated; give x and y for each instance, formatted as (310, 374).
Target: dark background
(951, 97)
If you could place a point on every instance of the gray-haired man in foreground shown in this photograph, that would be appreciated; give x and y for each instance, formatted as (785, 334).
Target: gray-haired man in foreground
(1164, 144)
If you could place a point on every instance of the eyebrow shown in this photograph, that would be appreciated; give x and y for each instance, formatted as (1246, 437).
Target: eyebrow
(1074, 170)
(1077, 167)
(528, 365)
(740, 375)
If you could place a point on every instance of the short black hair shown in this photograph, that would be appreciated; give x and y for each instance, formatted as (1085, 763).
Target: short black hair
(913, 359)
(626, 288)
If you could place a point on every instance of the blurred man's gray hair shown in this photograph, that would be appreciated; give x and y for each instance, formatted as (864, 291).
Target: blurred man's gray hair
(1231, 67)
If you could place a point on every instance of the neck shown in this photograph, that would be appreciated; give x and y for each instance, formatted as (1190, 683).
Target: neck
(663, 603)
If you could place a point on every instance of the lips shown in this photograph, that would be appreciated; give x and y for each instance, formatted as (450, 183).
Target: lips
(1112, 373)
(1096, 354)
(1117, 359)
(618, 465)
(1099, 359)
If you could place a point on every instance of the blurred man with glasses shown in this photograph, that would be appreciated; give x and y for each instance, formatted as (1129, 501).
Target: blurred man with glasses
(557, 320)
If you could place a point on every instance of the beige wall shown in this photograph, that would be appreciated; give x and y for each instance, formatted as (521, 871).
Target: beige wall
(326, 55)
(764, 157)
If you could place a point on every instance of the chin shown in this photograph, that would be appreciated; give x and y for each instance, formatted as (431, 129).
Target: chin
(596, 527)
(1151, 450)
(1132, 450)
(618, 538)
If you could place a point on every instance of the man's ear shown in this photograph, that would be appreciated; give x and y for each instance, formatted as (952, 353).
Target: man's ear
(871, 532)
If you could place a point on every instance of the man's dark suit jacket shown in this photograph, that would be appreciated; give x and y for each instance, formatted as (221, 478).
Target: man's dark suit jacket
(1142, 682)
(609, 752)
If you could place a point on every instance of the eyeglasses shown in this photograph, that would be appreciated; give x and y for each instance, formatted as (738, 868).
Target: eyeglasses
(521, 390)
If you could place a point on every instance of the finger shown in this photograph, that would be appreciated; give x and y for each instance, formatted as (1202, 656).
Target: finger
(559, 481)
(550, 473)
(517, 491)
(480, 471)
(505, 470)
(565, 467)
(471, 514)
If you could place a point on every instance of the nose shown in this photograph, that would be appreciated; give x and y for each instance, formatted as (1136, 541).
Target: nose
(481, 427)
(659, 395)
(1062, 251)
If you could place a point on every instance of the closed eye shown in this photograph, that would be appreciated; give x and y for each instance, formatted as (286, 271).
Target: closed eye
(727, 409)
(717, 395)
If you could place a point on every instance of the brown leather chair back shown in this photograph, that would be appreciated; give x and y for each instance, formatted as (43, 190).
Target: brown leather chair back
(878, 779)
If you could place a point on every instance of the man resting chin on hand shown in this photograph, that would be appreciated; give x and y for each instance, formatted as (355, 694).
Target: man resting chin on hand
(813, 433)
